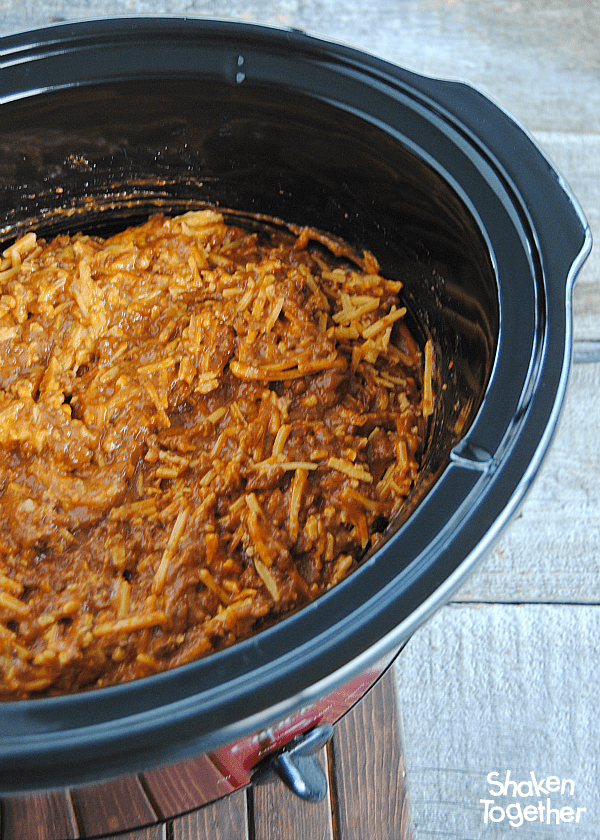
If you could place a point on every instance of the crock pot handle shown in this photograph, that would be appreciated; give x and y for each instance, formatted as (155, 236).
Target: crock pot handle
(297, 766)
(560, 226)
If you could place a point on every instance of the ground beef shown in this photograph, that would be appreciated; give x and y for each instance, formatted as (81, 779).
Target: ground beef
(202, 428)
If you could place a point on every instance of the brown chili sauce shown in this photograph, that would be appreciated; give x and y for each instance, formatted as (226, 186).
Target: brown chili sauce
(202, 428)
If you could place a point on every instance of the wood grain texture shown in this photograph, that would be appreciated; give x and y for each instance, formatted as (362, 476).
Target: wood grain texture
(280, 815)
(226, 819)
(551, 551)
(495, 687)
(108, 807)
(539, 58)
(179, 788)
(371, 800)
(38, 817)
(577, 158)
(155, 832)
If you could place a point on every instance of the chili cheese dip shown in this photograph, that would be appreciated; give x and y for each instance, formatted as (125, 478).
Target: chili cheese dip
(202, 428)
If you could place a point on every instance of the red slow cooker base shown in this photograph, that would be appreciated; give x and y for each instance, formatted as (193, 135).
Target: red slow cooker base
(135, 801)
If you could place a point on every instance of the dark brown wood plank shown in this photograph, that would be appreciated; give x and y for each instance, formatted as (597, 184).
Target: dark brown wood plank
(112, 806)
(226, 819)
(281, 815)
(38, 817)
(155, 832)
(371, 799)
(184, 786)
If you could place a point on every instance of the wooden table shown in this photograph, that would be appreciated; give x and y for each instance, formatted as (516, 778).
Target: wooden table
(367, 791)
(366, 797)
(540, 60)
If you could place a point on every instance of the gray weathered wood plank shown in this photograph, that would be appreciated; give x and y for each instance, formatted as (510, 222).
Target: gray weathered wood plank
(577, 158)
(539, 59)
(491, 688)
(551, 552)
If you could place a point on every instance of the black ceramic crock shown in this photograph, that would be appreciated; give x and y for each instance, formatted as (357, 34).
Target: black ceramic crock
(102, 123)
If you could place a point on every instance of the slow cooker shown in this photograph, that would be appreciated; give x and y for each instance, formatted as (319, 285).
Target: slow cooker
(107, 121)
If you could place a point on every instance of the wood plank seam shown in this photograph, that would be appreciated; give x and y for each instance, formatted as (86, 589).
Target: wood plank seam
(333, 792)
(250, 813)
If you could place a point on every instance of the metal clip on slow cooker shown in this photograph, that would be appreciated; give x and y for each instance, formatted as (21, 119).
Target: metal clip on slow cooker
(297, 765)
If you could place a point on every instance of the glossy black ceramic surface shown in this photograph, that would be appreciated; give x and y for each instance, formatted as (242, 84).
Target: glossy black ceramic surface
(104, 122)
